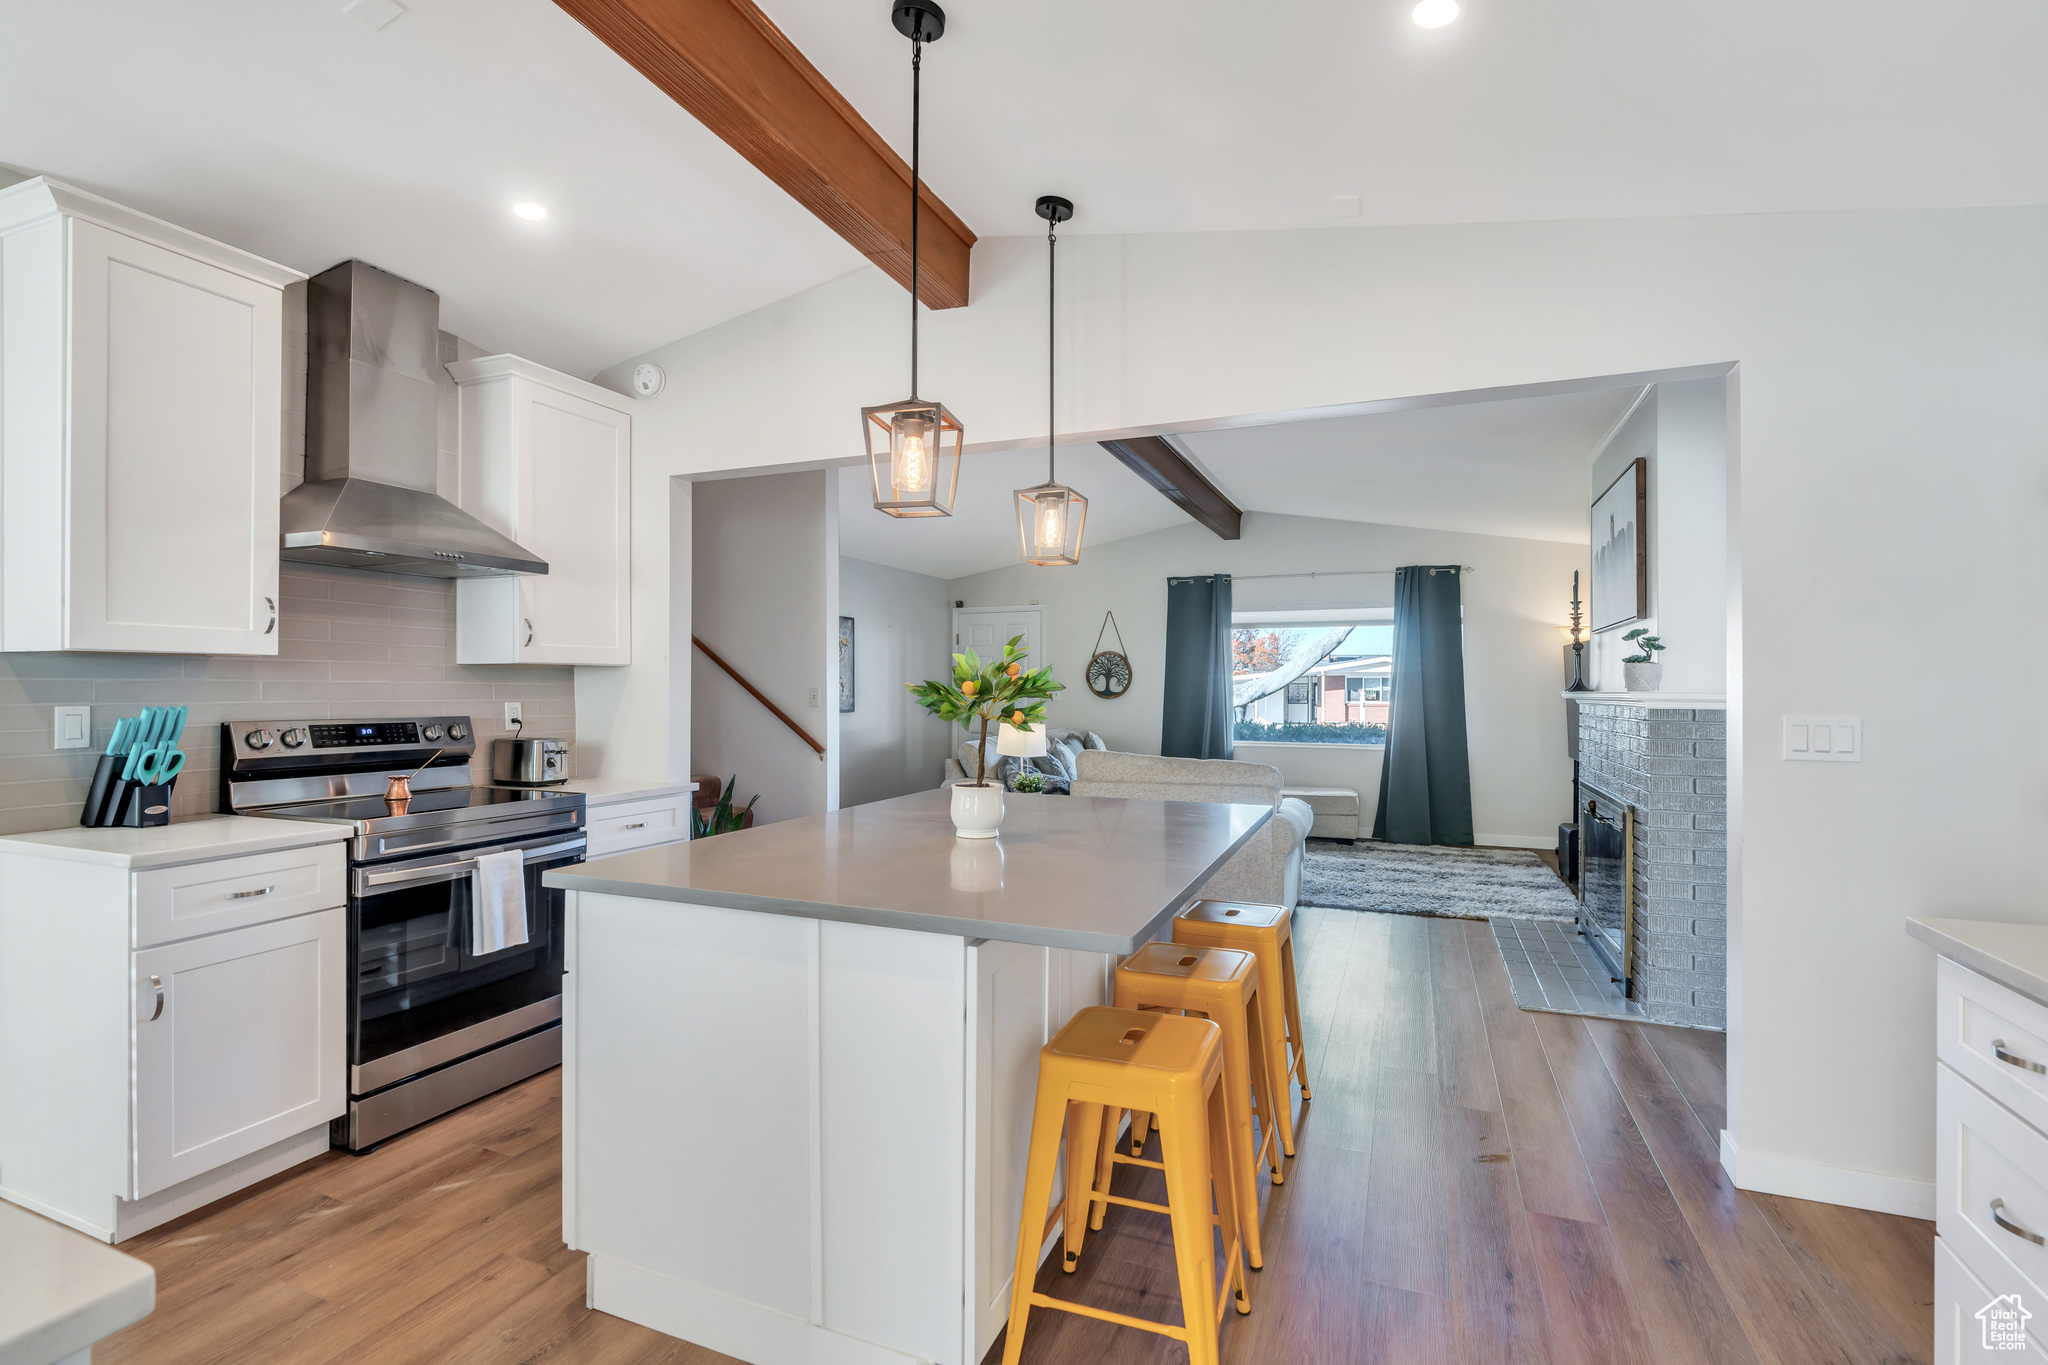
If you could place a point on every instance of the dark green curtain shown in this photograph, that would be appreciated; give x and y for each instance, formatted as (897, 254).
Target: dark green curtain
(1426, 781)
(1197, 717)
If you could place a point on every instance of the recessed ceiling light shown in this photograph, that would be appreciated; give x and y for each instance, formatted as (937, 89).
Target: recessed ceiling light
(1435, 13)
(533, 213)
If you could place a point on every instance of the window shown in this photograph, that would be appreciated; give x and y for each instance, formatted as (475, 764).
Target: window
(1297, 681)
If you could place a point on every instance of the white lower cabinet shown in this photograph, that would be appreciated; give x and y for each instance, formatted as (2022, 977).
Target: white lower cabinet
(1991, 1171)
(240, 1040)
(621, 827)
(169, 1033)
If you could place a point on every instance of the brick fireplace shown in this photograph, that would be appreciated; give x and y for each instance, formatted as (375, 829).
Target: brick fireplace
(1662, 771)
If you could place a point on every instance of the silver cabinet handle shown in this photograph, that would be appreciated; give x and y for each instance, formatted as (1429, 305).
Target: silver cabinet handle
(637, 824)
(529, 630)
(271, 602)
(246, 895)
(2014, 1228)
(2012, 1059)
(157, 983)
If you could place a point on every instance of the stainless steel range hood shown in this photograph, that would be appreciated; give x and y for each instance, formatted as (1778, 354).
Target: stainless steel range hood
(369, 500)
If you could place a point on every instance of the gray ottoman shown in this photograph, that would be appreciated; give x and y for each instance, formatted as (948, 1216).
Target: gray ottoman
(1335, 810)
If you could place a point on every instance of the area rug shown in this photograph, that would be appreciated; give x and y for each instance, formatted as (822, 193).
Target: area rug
(1427, 879)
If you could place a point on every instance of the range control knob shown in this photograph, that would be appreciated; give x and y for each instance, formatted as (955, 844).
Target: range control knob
(458, 732)
(293, 738)
(257, 739)
(432, 732)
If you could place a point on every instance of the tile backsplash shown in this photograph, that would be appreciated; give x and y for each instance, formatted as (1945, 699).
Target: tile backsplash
(351, 644)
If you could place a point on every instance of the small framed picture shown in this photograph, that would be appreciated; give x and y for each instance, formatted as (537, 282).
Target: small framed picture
(1621, 550)
(845, 663)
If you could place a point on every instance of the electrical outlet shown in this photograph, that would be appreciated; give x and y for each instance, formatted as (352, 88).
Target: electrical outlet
(74, 727)
(814, 696)
(513, 720)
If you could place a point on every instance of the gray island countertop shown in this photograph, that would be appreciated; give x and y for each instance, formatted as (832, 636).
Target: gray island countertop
(1092, 873)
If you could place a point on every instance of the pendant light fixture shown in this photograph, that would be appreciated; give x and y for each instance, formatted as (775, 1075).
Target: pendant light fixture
(913, 446)
(1050, 515)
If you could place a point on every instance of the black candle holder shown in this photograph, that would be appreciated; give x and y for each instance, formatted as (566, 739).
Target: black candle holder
(1578, 683)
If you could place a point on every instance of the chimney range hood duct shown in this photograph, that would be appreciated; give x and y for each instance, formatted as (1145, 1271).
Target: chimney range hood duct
(368, 502)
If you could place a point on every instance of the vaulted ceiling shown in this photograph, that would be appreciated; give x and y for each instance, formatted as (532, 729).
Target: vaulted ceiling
(294, 129)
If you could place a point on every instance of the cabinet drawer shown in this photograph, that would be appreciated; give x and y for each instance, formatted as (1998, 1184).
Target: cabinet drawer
(204, 898)
(1984, 1157)
(638, 824)
(1960, 1337)
(1976, 1019)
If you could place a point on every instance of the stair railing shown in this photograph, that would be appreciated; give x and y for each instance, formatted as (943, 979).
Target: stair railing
(756, 694)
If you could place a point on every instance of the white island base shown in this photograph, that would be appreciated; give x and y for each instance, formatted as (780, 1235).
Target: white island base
(801, 1140)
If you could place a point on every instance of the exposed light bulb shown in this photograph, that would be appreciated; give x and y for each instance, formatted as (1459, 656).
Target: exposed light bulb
(532, 213)
(1435, 13)
(1052, 523)
(912, 471)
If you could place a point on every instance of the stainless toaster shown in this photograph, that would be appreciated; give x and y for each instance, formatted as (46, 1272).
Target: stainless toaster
(529, 762)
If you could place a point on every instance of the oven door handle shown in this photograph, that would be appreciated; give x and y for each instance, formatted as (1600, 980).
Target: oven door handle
(368, 881)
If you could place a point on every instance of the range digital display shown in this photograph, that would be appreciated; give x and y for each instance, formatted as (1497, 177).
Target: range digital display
(365, 736)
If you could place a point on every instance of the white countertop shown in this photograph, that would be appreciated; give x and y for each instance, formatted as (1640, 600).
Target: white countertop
(196, 840)
(2014, 955)
(61, 1291)
(606, 791)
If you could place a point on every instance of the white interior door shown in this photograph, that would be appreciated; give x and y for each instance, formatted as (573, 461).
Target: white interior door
(247, 1048)
(986, 629)
(175, 448)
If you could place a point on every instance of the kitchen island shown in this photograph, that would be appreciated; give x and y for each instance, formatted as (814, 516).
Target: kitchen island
(800, 1060)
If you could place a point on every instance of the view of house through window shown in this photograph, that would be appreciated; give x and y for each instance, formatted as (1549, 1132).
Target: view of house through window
(1312, 684)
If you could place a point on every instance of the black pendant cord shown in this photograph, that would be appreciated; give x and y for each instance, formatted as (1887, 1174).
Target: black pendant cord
(916, 76)
(1052, 255)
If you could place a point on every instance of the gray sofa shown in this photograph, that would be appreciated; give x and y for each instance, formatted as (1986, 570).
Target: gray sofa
(1267, 870)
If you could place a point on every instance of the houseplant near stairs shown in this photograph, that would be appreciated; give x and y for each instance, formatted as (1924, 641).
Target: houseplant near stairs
(1003, 691)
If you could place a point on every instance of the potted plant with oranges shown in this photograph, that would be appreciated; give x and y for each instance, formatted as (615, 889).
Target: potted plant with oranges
(1002, 691)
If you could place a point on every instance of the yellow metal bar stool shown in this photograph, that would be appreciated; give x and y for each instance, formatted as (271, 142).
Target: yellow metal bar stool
(1266, 932)
(1220, 984)
(1104, 1062)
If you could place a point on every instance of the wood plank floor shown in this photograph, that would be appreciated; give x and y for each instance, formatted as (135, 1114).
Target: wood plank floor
(1472, 1184)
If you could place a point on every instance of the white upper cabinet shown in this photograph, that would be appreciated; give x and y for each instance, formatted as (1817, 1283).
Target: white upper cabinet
(141, 402)
(548, 460)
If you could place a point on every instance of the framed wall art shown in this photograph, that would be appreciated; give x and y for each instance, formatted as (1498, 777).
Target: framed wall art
(1621, 549)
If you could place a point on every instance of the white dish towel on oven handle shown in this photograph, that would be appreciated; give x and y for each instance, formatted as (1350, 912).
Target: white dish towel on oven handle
(497, 917)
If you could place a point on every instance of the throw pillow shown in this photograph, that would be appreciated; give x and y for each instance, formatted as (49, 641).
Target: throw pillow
(1095, 741)
(1063, 754)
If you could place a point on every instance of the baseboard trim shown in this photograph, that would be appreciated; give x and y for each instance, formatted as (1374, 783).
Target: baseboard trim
(1765, 1174)
(736, 1327)
(1542, 841)
(132, 1216)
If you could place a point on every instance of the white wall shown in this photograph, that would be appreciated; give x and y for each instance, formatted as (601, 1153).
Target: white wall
(1893, 399)
(1682, 429)
(889, 745)
(1515, 605)
(765, 570)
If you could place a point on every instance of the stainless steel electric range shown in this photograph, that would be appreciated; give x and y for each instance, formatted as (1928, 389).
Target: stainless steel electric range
(432, 1023)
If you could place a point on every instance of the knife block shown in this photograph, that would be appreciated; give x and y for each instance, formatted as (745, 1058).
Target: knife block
(139, 806)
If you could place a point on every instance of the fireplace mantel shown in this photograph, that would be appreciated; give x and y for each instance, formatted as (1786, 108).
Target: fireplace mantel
(1677, 701)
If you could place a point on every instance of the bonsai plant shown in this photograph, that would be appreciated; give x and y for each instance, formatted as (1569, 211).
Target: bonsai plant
(1001, 691)
(1640, 671)
(722, 818)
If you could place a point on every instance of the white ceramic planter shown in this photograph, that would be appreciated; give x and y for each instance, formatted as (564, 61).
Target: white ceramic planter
(1642, 677)
(977, 811)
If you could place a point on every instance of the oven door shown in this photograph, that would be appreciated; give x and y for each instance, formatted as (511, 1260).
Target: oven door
(422, 998)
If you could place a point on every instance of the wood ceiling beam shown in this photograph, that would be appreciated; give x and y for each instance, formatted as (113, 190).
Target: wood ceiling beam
(728, 64)
(1166, 469)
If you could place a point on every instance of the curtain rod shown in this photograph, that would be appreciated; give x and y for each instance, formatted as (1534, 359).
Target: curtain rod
(1335, 573)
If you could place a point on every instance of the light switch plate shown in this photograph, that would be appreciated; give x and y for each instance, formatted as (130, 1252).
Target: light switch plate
(814, 696)
(74, 727)
(1824, 739)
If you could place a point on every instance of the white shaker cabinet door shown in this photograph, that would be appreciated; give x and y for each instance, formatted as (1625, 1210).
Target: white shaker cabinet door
(548, 460)
(240, 1042)
(160, 532)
